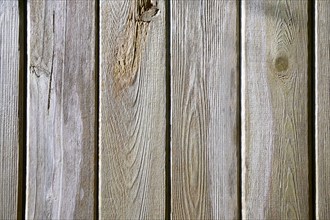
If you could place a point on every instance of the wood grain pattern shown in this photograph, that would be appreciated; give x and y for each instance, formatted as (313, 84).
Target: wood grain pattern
(132, 109)
(9, 130)
(322, 109)
(275, 109)
(61, 110)
(204, 110)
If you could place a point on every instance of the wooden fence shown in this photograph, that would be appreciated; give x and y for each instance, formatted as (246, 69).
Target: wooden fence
(154, 109)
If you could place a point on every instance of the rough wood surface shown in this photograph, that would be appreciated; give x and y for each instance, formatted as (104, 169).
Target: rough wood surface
(322, 109)
(275, 109)
(204, 83)
(9, 79)
(132, 109)
(61, 110)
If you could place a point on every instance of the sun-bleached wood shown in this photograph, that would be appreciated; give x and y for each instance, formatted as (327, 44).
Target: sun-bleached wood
(275, 109)
(61, 110)
(9, 124)
(322, 109)
(132, 109)
(204, 109)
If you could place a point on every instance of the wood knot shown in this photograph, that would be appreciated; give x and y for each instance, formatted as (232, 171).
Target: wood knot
(149, 14)
(39, 71)
(281, 63)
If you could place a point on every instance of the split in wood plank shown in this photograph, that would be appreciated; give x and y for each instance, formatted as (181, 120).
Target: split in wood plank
(61, 110)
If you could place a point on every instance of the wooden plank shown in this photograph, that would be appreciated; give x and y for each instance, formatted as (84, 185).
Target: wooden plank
(275, 109)
(9, 79)
(322, 109)
(204, 84)
(132, 109)
(61, 110)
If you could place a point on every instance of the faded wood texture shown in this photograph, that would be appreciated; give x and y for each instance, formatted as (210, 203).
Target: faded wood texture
(9, 91)
(204, 110)
(275, 110)
(61, 110)
(322, 109)
(132, 109)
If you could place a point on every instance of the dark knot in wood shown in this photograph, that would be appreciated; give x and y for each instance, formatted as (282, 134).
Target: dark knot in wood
(281, 63)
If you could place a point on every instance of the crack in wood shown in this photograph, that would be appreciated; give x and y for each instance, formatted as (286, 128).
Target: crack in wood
(51, 69)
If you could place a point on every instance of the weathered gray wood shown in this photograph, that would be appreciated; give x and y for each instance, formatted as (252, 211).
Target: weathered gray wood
(132, 109)
(204, 76)
(61, 110)
(322, 110)
(275, 109)
(9, 79)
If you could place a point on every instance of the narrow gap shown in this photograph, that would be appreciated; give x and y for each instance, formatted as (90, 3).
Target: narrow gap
(311, 107)
(22, 108)
(97, 108)
(239, 107)
(168, 111)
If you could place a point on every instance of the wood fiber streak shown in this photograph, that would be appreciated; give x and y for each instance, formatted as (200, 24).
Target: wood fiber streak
(61, 110)
(322, 100)
(132, 109)
(9, 124)
(275, 109)
(204, 110)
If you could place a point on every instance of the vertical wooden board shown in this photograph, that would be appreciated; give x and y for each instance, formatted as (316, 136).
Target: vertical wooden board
(61, 110)
(275, 109)
(204, 112)
(132, 109)
(322, 110)
(9, 79)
